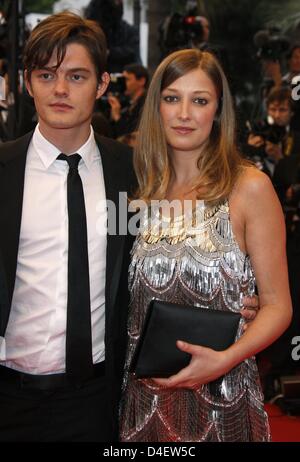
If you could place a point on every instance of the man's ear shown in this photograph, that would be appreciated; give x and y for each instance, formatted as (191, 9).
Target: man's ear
(103, 84)
(28, 84)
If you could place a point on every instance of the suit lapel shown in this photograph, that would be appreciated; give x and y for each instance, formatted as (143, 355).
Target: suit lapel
(115, 242)
(12, 170)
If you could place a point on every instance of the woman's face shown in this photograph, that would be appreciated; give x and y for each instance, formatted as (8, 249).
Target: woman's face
(187, 109)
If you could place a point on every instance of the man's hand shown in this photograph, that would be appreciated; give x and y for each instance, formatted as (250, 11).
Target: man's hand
(255, 140)
(274, 150)
(251, 306)
(115, 107)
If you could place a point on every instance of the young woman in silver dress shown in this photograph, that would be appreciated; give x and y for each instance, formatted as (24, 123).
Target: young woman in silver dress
(231, 239)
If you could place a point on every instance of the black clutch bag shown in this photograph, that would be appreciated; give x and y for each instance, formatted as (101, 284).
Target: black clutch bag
(157, 355)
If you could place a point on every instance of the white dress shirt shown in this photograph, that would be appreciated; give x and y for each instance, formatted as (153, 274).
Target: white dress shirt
(36, 333)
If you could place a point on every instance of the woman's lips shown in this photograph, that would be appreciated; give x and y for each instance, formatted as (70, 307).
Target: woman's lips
(183, 130)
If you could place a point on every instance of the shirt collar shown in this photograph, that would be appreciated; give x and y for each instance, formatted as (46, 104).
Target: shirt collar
(48, 152)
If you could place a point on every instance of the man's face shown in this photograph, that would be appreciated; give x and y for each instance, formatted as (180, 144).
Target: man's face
(65, 97)
(280, 112)
(133, 85)
(115, 8)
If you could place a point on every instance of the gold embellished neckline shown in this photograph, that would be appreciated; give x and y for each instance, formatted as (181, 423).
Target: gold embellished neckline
(157, 226)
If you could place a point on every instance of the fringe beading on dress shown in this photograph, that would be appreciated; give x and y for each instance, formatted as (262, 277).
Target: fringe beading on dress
(203, 266)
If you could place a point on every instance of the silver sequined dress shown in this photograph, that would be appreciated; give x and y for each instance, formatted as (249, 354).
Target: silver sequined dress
(199, 265)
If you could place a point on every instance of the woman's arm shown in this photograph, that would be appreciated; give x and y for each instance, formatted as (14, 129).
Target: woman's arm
(260, 215)
(265, 244)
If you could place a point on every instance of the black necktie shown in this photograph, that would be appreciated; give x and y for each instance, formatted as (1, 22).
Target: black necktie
(79, 359)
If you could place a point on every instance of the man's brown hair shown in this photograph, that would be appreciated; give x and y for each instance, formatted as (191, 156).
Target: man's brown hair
(280, 95)
(55, 33)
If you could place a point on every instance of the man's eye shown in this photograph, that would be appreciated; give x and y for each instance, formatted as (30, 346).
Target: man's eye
(77, 77)
(46, 76)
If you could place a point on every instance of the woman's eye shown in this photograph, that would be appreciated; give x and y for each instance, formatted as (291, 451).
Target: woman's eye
(170, 98)
(201, 101)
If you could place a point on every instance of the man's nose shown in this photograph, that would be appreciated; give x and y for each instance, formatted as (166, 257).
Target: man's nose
(277, 115)
(61, 86)
(274, 114)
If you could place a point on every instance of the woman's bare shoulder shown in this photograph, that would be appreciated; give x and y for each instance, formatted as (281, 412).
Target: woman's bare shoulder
(253, 184)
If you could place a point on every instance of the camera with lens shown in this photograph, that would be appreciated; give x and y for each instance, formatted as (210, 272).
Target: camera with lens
(117, 85)
(180, 31)
(271, 44)
(269, 132)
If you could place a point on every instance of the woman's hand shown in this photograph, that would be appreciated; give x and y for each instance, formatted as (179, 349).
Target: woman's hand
(205, 365)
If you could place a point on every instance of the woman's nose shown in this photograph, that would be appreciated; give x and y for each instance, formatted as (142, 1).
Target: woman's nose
(184, 110)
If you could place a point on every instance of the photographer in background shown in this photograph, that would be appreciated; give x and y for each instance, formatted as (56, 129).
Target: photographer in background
(275, 52)
(183, 31)
(293, 58)
(287, 80)
(271, 47)
(125, 120)
(272, 139)
(123, 39)
(276, 360)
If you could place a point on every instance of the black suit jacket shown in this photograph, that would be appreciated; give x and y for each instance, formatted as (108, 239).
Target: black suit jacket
(118, 176)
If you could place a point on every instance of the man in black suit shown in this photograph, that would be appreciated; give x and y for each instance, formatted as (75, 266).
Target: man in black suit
(49, 263)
